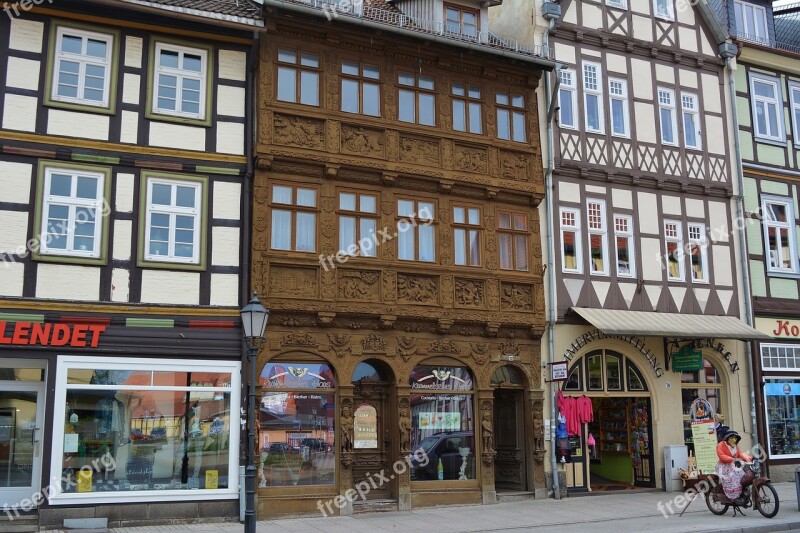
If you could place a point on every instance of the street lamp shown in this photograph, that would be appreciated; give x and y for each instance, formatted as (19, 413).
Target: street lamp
(254, 321)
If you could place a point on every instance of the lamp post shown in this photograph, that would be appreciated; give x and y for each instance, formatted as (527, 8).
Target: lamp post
(254, 321)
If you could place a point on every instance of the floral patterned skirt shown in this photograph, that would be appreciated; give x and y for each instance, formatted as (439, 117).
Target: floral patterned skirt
(731, 478)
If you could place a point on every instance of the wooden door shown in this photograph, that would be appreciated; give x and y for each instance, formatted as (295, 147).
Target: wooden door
(510, 467)
(373, 444)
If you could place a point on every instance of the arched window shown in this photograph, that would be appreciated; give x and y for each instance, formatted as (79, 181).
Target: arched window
(604, 370)
(705, 383)
(506, 376)
(297, 424)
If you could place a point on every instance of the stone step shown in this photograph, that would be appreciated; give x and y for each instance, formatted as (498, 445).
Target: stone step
(514, 496)
(374, 506)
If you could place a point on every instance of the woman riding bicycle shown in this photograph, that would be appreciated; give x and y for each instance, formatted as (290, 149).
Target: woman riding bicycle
(729, 468)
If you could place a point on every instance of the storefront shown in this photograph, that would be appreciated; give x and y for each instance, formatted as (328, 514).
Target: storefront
(779, 376)
(101, 411)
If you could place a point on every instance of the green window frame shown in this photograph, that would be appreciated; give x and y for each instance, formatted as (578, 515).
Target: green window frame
(206, 53)
(174, 210)
(58, 28)
(73, 205)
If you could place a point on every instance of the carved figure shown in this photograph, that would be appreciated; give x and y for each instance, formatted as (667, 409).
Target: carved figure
(538, 434)
(405, 431)
(488, 432)
(347, 429)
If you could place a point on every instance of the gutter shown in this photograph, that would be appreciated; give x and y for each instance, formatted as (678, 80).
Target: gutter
(194, 15)
(776, 170)
(198, 13)
(546, 64)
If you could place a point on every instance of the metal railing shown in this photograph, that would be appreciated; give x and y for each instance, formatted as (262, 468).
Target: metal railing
(770, 43)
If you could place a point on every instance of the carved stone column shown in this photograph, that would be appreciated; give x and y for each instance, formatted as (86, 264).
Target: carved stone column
(345, 445)
(404, 434)
(485, 428)
(539, 452)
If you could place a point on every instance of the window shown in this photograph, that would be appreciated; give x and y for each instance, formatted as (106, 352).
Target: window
(467, 108)
(173, 218)
(691, 121)
(84, 65)
(568, 100)
(780, 357)
(622, 4)
(73, 216)
(618, 102)
(361, 89)
(593, 97)
(298, 77)
(779, 234)
(663, 9)
(605, 370)
(598, 237)
(513, 234)
(511, 117)
(466, 233)
(294, 218)
(705, 383)
(298, 424)
(570, 240)
(666, 112)
(698, 252)
(674, 245)
(443, 421)
(751, 21)
(417, 102)
(180, 81)
(623, 236)
(782, 405)
(767, 107)
(358, 220)
(416, 239)
(131, 422)
(461, 21)
(794, 93)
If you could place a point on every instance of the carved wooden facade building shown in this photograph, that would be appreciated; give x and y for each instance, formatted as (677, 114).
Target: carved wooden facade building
(396, 244)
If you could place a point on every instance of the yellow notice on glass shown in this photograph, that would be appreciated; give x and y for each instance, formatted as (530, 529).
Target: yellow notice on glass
(212, 479)
(705, 445)
(84, 480)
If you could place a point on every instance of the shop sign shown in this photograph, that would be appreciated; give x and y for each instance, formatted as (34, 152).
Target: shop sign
(687, 360)
(636, 342)
(42, 334)
(779, 328)
(704, 438)
(717, 347)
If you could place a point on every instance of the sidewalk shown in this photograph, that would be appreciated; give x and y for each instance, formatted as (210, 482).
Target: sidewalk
(634, 512)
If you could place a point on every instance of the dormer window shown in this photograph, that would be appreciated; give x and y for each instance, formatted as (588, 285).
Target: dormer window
(461, 21)
(751, 21)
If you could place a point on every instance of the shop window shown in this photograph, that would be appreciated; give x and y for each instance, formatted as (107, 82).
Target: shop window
(294, 218)
(297, 424)
(782, 401)
(705, 383)
(144, 428)
(574, 380)
(443, 423)
(613, 372)
(605, 370)
(635, 380)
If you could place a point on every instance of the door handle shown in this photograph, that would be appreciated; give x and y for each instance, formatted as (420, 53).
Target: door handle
(34, 440)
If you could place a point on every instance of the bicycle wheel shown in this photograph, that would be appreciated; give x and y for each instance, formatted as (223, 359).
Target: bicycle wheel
(714, 505)
(767, 498)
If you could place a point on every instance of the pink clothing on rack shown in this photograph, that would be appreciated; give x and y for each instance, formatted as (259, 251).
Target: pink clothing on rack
(569, 409)
(585, 412)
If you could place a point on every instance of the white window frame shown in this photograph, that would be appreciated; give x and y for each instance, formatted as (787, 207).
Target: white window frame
(740, 10)
(622, 97)
(67, 362)
(595, 90)
(777, 101)
(669, 14)
(572, 89)
(671, 107)
(625, 234)
(83, 61)
(790, 224)
(602, 231)
(196, 212)
(767, 419)
(681, 256)
(181, 75)
(795, 349)
(576, 228)
(694, 111)
(702, 242)
(620, 4)
(794, 100)
(73, 203)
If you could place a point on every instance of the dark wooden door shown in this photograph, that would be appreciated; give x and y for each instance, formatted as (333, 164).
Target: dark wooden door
(372, 439)
(509, 431)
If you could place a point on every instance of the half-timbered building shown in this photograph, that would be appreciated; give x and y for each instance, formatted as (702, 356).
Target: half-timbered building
(645, 292)
(123, 174)
(396, 243)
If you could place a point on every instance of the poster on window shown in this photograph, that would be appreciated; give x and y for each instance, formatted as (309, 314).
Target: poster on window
(440, 421)
(705, 445)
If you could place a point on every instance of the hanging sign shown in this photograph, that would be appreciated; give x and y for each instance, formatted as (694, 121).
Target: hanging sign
(701, 410)
(687, 360)
(558, 371)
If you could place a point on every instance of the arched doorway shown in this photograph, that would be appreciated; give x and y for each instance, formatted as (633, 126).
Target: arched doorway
(614, 449)
(509, 420)
(374, 420)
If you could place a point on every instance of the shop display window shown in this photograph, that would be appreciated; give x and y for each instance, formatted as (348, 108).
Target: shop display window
(782, 401)
(443, 423)
(705, 383)
(296, 425)
(138, 426)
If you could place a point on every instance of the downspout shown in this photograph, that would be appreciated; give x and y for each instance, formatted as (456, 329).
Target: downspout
(552, 16)
(728, 51)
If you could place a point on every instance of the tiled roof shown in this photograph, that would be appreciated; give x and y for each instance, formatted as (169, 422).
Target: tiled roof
(245, 9)
(787, 25)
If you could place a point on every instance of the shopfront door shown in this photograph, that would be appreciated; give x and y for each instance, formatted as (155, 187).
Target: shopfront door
(21, 427)
(373, 438)
(510, 468)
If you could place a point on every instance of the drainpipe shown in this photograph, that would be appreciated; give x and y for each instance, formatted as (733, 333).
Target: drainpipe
(551, 12)
(729, 51)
